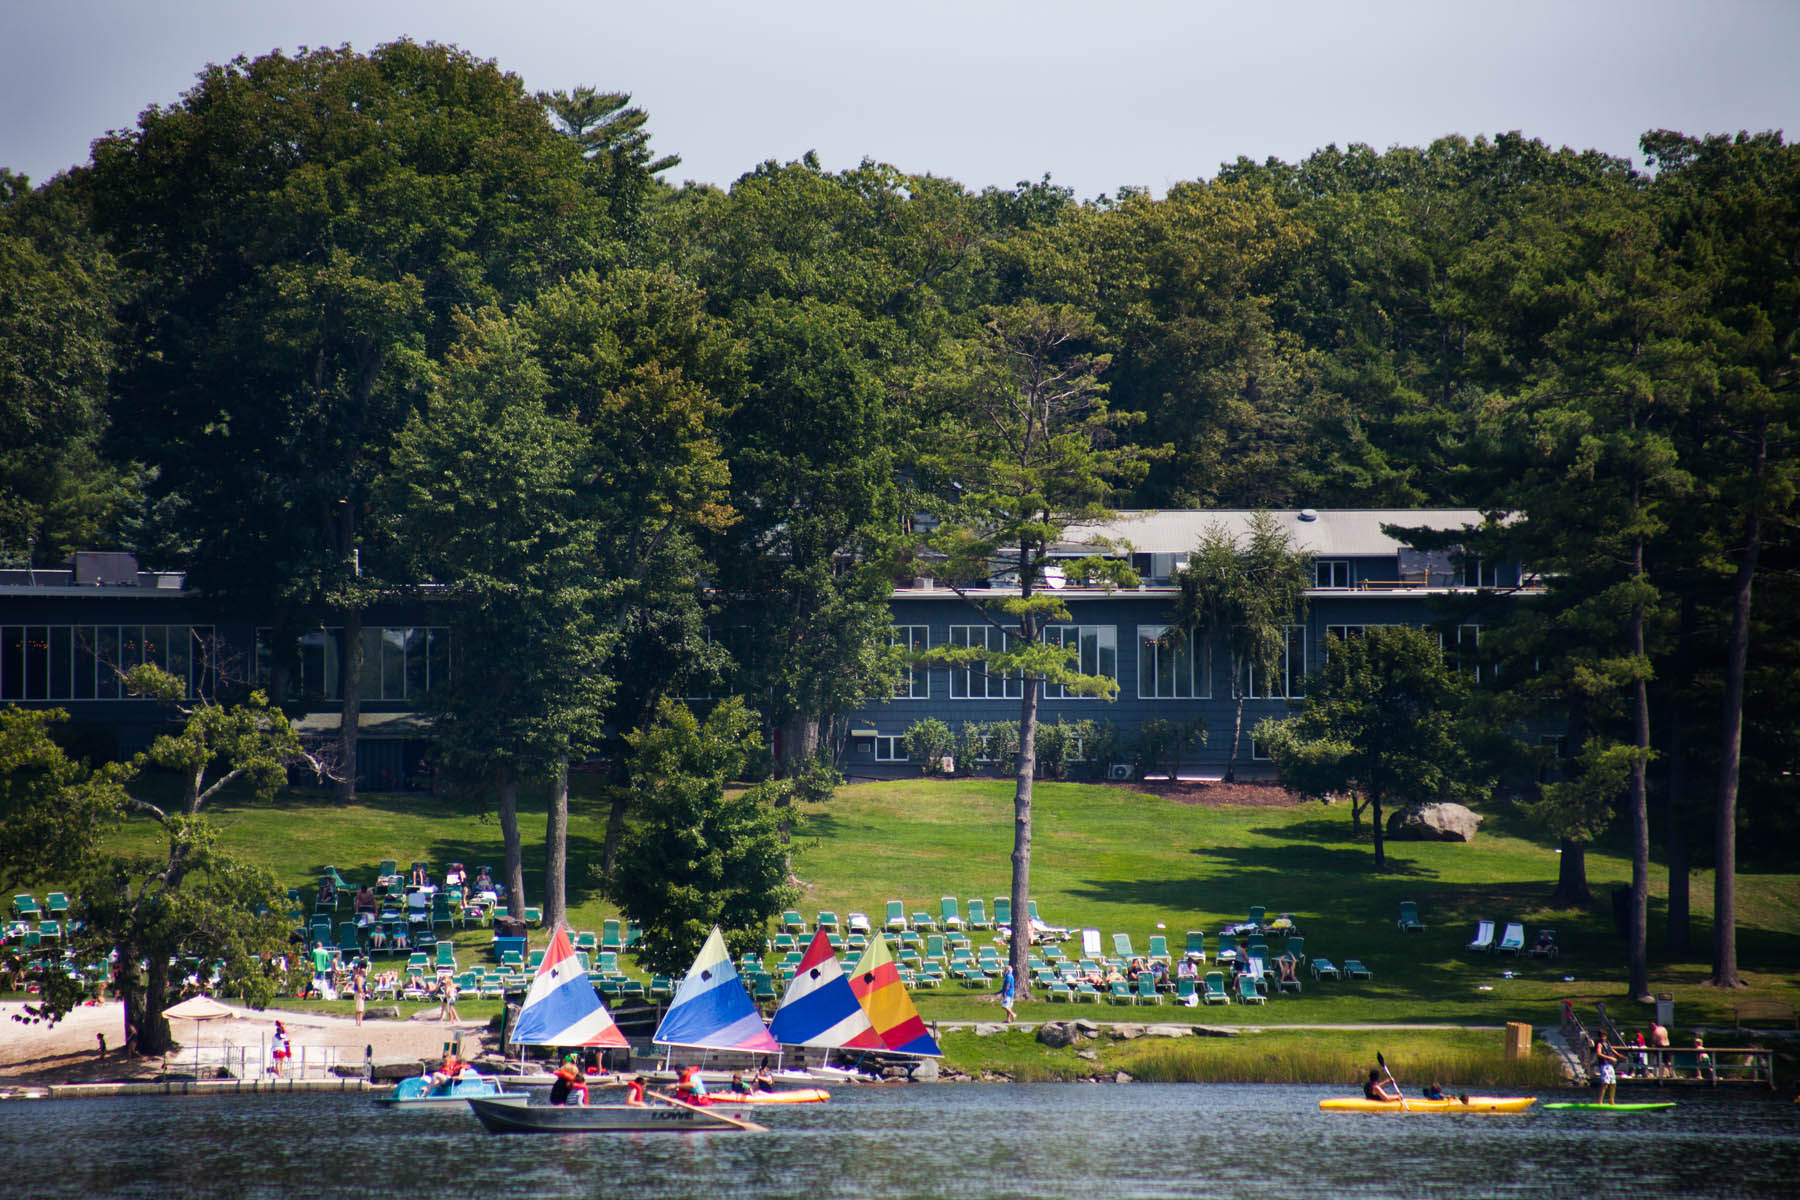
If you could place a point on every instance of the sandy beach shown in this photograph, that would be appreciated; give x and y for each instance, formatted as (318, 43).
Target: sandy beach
(68, 1052)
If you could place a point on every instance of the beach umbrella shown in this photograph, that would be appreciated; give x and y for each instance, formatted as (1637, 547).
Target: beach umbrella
(198, 1009)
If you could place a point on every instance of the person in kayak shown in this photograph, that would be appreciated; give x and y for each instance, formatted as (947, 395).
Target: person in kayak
(765, 1078)
(737, 1086)
(1433, 1092)
(569, 1082)
(1374, 1089)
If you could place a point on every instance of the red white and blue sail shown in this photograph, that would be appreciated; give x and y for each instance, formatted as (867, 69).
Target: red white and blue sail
(562, 1008)
(819, 1009)
(712, 1011)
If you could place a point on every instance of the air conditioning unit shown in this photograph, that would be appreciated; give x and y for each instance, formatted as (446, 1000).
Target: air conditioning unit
(1119, 771)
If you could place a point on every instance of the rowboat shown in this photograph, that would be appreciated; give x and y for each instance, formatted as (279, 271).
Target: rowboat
(1593, 1106)
(514, 1114)
(418, 1092)
(1474, 1104)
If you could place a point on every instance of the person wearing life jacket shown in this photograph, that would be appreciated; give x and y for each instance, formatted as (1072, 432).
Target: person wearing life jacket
(765, 1079)
(447, 1071)
(737, 1086)
(690, 1088)
(569, 1083)
(634, 1091)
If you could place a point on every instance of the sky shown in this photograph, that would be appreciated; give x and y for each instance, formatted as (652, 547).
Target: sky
(1098, 95)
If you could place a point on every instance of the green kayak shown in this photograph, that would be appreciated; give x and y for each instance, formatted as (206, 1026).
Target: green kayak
(1585, 1105)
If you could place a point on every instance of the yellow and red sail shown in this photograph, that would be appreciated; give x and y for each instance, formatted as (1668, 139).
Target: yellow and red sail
(876, 982)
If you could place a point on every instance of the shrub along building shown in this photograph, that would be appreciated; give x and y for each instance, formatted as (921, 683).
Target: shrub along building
(1360, 576)
(67, 636)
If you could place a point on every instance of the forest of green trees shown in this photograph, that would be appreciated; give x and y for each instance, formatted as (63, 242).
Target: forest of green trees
(339, 323)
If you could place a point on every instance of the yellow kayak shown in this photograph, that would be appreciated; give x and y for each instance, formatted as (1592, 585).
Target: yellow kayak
(1475, 1104)
(784, 1096)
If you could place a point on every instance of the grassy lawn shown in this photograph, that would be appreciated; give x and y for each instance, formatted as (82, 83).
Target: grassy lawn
(1121, 861)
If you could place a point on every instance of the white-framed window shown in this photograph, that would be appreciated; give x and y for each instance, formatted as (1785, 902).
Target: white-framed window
(87, 662)
(1173, 668)
(1097, 653)
(1468, 646)
(915, 682)
(1331, 573)
(1480, 573)
(1258, 751)
(890, 747)
(1290, 680)
(971, 681)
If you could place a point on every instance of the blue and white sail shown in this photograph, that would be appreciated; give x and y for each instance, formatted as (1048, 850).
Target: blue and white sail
(819, 1009)
(562, 1008)
(712, 1011)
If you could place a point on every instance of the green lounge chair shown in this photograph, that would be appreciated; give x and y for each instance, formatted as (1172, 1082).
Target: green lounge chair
(1215, 992)
(388, 871)
(1296, 946)
(1227, 951)
(349, 943)
(56, 905)
(1056, 990)
(26, 906)
(634, 933)
(611, 937)
(781, 943)
(1122, 947)
(1287, 975)
(446, 958)
(1324, 968)
(1545, 946)
(534, 917)
(1086, 992)
(1146, 989)
(1003, 911)
(896, 916)
(662, 987)
(49, 931)
(1196, 946)
(1513, 940)
(440, 910)
(924, 921)
(1353, 969)
(978, 918)
(948, 914)
(1122, 993)
(1257, 912)
(586, 942)
(828, 921)
(1159, 949)
(791, 922)
(1246, 990)
(1409, 918)
(1185, 988)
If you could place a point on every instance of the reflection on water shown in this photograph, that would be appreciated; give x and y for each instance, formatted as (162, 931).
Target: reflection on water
(967, 1142)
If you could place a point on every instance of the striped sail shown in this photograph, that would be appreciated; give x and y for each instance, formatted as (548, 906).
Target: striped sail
(819, 1009)
(562, 1008)
(876, 982)
(712, 1010)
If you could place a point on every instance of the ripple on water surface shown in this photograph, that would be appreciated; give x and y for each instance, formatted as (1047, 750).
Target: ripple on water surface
(968, 1142)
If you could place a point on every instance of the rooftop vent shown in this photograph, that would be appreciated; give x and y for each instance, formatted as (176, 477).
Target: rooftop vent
(1308, 514)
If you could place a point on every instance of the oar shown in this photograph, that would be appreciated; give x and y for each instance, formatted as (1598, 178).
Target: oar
(1404, 1106)
(750, 1126)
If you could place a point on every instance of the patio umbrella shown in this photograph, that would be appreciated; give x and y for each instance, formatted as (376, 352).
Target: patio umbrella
(198, 1009)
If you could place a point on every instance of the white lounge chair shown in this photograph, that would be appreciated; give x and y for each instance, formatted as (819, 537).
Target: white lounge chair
(1484, 937)
(1513, 940)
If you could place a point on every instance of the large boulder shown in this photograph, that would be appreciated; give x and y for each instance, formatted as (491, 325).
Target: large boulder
(1057, 1034)
(1441, 822)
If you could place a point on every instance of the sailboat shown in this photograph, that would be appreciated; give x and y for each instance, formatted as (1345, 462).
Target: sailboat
(876, 984)
(819, 1009)
(712, 1011)
(562, 1008)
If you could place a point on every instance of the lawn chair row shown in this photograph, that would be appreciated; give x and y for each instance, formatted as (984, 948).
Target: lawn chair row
(54, 908)
(900, 919)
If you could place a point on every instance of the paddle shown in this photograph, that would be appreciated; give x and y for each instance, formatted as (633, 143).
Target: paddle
(1404, 1106)
(750, 1126)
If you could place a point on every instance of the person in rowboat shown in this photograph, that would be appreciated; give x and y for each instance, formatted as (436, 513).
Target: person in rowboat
(569, 1082)
(1374, 1089)
(690, 1088)
(634, 1091)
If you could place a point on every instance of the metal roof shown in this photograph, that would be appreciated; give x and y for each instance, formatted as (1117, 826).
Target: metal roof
(1351, 532)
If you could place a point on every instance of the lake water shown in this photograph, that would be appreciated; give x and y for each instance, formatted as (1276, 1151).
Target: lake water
(1090, 1141)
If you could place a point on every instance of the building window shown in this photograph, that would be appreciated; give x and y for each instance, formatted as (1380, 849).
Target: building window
(1258, 751)
(915, 681)
(890, 748)
(400, 662)
(1171, 667)
(1331, 573)
(1290, 679)
(1096, 653)
(88, 662)
(1468, 648)
(971, 681)
(1480, 573)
